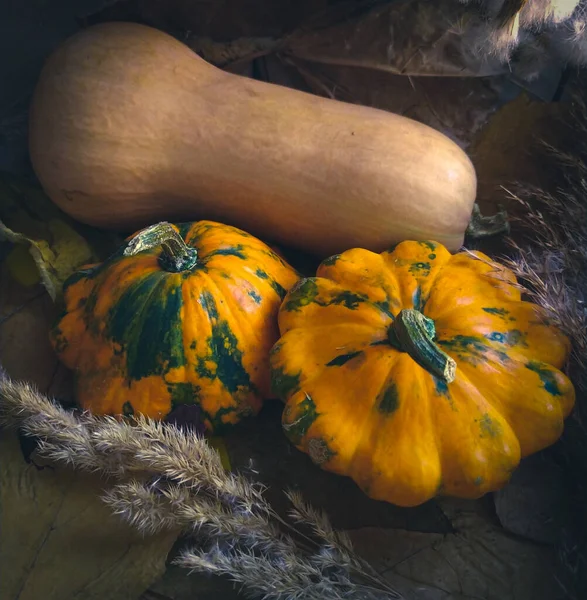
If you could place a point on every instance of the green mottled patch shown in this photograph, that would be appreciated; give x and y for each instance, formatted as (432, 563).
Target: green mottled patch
(219, 423)
(388, 401)
(303, 293)
(430, 245)
(385, 307)
(209, 304)
(478, 481)
(184, 229)
(193, 345)
(514, 337)
(283, 384)
(88, 273)
(471, 349)
(238, 251)
(343, 359)
(547, 377)
(224, 353)
(306, 414)
(517, 338)
(93, 324)
(498, 312)
(183, 393)
(127, 409)
(432, 256)
(273, 255)
(421, 269)
(331, 260)
(489, 427)
(255, 296)
(348, 299)
(441, 388)
(277, 287)
(146, 322)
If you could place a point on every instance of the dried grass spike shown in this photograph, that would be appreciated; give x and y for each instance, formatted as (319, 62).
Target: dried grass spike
(179, 483)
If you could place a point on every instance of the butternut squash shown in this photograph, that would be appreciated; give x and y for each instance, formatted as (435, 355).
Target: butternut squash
(128, 126)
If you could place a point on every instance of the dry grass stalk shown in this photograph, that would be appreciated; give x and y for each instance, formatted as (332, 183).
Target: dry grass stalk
(509, 27)
(550, 260)
(172, 479)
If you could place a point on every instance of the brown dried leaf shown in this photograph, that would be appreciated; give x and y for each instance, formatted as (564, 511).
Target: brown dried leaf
(478, 562)
(59, 540)
(534, 503)
(402, 38)
(26, 313)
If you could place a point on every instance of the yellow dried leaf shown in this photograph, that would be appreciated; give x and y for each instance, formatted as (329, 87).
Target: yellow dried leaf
(57, 244)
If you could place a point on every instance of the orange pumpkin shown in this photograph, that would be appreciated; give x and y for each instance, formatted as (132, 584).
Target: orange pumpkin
(417, 372)
(182, 314)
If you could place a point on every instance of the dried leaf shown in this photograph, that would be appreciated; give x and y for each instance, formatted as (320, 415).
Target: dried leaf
(230, 53)
(57, 244)
(26, 313)
(534, 504)
(478, 562)
(402, 38)
(59, 540)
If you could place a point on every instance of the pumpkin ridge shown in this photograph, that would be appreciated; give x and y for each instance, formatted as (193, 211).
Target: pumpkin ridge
(382, 278)
(452, 282)
(237, 319)
(289, 338)
(388, 382)
(489, 471)
(230, 370)
(134, 323)
(416, 266)
(546, 413)
(517, 327)
(473, 349)
(375, 440)
(468, 375)
(205, 235)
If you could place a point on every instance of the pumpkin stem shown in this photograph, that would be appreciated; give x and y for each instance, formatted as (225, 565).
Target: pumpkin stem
(482, 227)
(177, 256)
(414, 333)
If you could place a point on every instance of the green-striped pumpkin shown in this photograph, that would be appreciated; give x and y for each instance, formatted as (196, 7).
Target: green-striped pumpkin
(182, 314)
